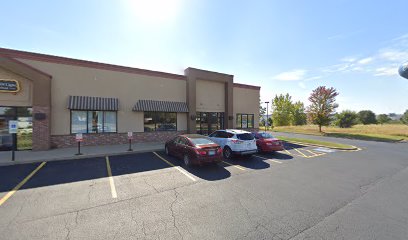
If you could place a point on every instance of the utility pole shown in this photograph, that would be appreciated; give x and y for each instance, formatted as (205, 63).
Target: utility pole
(266, 122)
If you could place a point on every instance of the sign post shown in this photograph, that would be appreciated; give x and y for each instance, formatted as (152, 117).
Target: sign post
(13, 127)
(130, 137)
(79, 139)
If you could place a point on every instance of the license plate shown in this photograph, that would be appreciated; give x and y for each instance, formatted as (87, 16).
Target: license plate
(211, 152)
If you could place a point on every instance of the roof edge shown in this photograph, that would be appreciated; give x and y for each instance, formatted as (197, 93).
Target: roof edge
(11, 53)
(240, 85)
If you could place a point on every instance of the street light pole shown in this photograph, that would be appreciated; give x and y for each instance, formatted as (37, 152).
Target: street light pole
(266, 122)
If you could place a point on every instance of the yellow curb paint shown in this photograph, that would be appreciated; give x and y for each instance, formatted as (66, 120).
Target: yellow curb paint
(291, 153)
(176, 167)
(287, 151)
(272, 160)
(300, 153)
(314, 154)
(111, 182)
(16, 188)
(240, 168)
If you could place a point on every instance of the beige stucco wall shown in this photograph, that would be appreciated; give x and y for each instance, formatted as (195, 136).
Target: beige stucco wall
(246, 101)
(22, 98)
(210, 96)
(129, 88)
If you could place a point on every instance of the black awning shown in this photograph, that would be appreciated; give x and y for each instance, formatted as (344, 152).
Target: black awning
(160, 106)
(93, 103)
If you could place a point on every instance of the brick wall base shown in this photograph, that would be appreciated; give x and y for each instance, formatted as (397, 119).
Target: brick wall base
(41, 129)
(62, 141)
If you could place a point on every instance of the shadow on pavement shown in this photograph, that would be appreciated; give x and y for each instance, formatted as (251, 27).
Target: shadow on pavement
(209, 172)
(276, 155)
(249, 162)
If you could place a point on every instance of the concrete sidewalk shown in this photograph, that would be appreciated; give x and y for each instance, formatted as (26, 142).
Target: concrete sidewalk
(69, 153)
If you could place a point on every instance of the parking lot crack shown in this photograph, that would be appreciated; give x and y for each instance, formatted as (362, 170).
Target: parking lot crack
(176, 194)
(147, 183)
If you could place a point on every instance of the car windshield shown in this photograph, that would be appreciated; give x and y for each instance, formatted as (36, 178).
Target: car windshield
(266, 135)
(245, 136)
(201, 141)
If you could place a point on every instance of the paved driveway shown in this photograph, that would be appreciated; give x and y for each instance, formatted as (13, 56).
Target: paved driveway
(299, 193)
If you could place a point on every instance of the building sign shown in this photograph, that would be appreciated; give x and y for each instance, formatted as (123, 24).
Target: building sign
(10, 86)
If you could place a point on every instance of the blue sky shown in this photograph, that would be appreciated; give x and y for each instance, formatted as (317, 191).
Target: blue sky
(283, 46)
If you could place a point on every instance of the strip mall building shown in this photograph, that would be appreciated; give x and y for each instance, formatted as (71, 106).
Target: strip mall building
(53, 98)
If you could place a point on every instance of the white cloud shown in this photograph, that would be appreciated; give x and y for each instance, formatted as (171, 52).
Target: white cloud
(386, 71)
(365, 60)
(302, 85)
(348, 59)
(394, 55)
(313, 78)
(294, 75)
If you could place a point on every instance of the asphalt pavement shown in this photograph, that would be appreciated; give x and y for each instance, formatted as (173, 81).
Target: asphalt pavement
(300, 193)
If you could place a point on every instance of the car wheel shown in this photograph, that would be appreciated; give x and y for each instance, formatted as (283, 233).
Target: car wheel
(166, 149)
(227, 153)
(186, 160)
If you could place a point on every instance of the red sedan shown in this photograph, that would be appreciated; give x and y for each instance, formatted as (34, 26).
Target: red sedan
(194, 149)
(267, 143)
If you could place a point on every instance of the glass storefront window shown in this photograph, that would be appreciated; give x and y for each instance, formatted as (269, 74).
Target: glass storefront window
(245, 120)
(25, 128)
(109, 122)
(93, 121)
(78, 122)
(160, 121)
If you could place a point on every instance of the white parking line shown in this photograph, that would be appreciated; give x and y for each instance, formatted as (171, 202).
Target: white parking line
(276, 161)
(240, 168)
(176, 167)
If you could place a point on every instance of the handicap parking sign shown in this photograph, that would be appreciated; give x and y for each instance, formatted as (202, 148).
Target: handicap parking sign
(13, 126)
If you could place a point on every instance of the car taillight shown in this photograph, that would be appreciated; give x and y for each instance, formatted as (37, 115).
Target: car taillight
(236, 141)
(200, 152)
(219, 151)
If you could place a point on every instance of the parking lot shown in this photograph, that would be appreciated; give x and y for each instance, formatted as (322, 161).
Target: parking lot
(154, 196)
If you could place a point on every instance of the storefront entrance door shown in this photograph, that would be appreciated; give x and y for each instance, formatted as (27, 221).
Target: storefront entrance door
(208, 122)
(25, 128)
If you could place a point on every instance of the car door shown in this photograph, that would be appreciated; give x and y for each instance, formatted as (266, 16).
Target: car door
(183, 147)
(171, 145)
(178, 147)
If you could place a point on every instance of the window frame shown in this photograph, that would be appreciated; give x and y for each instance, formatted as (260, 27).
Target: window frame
(248, 116)
(87, 119)
(156, 117)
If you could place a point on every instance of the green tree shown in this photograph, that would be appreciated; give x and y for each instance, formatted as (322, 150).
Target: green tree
(383, 118)
(367, 117)
(298, 114)
(282, 110)
(346, 119)
(262, 110)
(404, 118)
(323, 106)
(270, 122)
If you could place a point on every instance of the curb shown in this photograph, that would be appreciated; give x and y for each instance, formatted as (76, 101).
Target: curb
(354, 148)
(74, 157)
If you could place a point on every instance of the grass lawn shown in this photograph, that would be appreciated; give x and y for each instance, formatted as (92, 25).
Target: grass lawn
(373, 132)
(317, 142)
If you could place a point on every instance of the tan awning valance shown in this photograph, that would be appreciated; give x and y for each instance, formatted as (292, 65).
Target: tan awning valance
(93, 103)
(160, 106)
